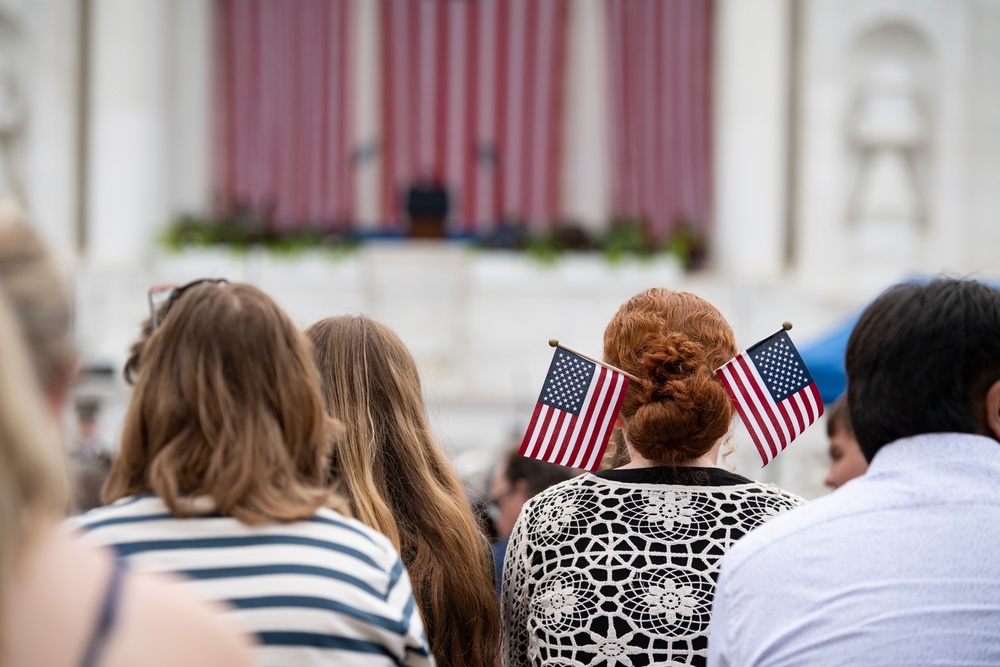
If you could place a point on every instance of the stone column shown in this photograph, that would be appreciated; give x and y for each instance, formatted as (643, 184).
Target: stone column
(365, 61)
(50, 88)
(751, 123)
(190, 100)
(585, 196)
(129, 116)
(984, 201)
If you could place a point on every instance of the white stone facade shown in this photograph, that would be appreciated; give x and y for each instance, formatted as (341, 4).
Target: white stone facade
(107, 158)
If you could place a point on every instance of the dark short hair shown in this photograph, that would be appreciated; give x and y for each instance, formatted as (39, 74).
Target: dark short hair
(921, 359)
(537, 475)
(838, 418)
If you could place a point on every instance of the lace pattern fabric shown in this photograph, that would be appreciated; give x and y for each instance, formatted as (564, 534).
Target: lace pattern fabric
(601, 572)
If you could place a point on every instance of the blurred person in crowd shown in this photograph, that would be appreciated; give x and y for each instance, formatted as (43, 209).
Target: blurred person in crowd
(223, 477)
(54, 588)
(515, 479)
(40, 298)
(846, 459)
(898, 567)
(619, 567)
(90, 461)
(482, 508)
(89, 476)
(87, 443)
(399, 482)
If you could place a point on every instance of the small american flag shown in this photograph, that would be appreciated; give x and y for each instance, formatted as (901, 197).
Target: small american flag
(575, 413)
(773, 392)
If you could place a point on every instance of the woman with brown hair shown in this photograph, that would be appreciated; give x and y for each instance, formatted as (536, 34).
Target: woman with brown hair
(54, 588)
(619, 567)
(223, 477)
(399, 482)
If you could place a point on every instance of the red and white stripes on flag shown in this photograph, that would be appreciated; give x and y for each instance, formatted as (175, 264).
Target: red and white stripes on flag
(575, 413)
(282, 116)
(472, 94)
(660, 91)
(773, 393)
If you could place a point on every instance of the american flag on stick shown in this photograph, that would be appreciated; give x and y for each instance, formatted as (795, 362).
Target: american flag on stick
(576, 411)
(773, 392)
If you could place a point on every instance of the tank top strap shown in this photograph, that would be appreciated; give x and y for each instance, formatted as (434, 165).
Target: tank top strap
(108, 616)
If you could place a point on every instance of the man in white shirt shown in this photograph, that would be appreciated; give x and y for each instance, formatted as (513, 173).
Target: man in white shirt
(901, 565)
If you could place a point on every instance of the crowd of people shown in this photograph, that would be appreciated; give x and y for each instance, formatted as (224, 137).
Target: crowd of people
(278, 498)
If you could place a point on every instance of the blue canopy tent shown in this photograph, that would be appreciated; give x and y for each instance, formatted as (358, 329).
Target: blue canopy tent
(824, 358)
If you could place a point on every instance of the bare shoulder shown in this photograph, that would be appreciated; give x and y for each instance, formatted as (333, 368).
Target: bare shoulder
(160, 625)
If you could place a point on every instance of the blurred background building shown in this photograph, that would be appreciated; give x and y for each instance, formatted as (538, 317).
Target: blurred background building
(483, 175)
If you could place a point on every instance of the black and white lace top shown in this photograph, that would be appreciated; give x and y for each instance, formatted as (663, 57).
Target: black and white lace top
(619, 568)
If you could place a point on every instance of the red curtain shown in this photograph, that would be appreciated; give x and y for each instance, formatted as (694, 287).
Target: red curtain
(472, 101)
(282, 117)
(660, 88)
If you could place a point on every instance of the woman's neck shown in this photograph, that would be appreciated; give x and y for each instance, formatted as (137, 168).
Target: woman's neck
(709, 459)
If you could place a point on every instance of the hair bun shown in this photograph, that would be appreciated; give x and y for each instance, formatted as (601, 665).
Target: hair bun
(680, 407)
(674, 341)
(665, 359)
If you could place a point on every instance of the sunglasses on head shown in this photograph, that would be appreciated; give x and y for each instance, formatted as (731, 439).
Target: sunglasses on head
(167, 295)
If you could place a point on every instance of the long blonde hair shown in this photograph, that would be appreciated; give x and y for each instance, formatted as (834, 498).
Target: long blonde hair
(400, 483)
(227, 405)
(33, 481)
(40, 299)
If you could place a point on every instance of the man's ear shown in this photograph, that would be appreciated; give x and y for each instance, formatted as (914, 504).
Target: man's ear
(619, 422)
(992, 406)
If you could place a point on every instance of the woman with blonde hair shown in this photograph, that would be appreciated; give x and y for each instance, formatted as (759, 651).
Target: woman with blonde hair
(40, 299)
(619, 567)
(399, 482)
(51, 586)
(223, 477)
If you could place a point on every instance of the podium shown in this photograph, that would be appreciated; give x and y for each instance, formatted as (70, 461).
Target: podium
(427, 210)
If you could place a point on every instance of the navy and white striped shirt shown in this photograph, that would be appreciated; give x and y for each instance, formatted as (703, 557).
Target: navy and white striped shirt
(324, 590)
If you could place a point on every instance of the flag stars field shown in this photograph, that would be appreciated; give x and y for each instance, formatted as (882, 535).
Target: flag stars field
(575, 412)
(780, 370)
(773, 392)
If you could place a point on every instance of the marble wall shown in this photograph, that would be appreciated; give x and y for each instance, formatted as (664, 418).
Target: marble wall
(857, 141)
(477, 322)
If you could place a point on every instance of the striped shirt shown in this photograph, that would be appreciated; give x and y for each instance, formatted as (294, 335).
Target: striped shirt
(324, 590)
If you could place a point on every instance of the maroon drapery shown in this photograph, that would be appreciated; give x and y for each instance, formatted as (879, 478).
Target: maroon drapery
(660, 88)
(283, 110)
(472, 95)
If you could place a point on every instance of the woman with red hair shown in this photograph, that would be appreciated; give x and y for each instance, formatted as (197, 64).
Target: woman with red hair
(619, 567)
